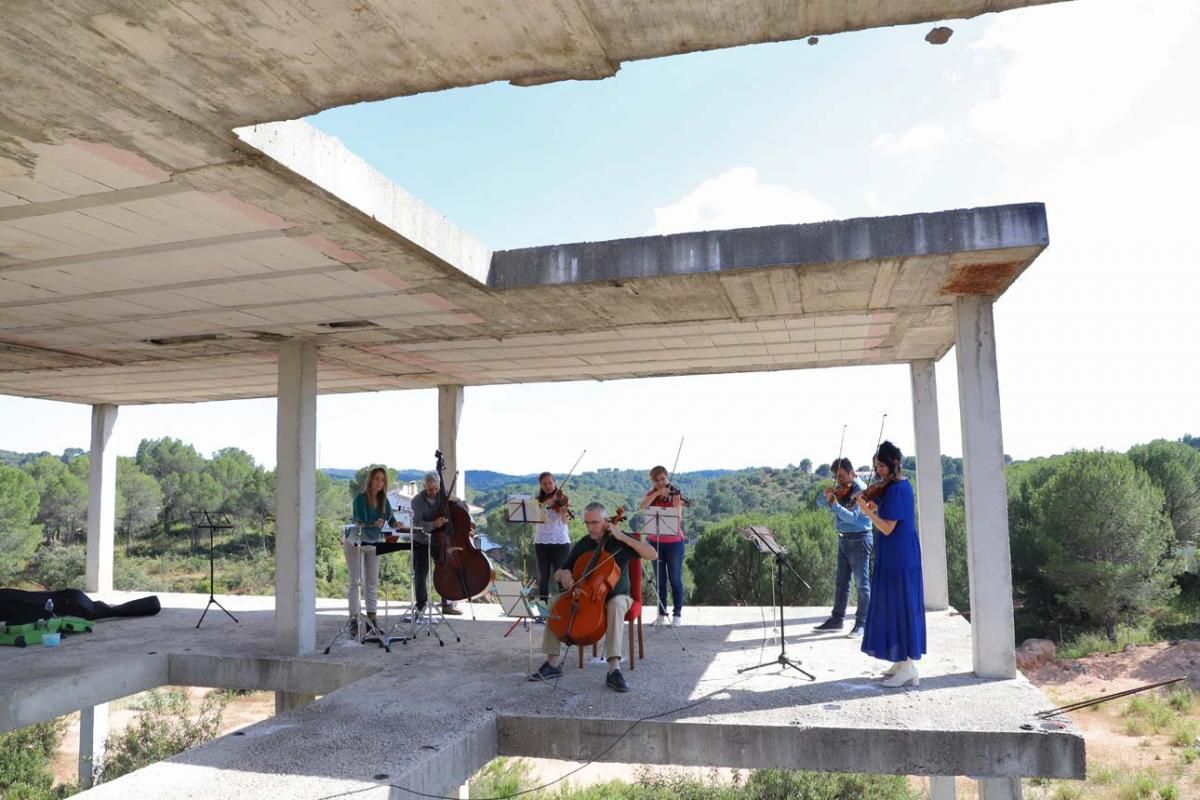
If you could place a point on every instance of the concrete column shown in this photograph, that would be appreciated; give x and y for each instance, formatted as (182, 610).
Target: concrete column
(93, 731)
(989, 563)
(941, 787)
(931, 519)
(102, 501)
(999, 788)
(295, 500)
(450, 404)
(286, 701)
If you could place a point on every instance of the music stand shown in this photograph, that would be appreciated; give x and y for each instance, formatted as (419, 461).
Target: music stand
(659, 521)
(217, 521)
(764, 539)
(522, 509)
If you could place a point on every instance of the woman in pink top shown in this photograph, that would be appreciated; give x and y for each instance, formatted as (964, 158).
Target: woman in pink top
(669, 567)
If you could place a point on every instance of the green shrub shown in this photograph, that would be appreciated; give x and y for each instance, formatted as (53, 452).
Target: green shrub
(1067, 791)
(1139, 786)
(26, 756)
(1102, 774)
(1183, 733)
(1181, 700)
(59, 566)
(164, 728)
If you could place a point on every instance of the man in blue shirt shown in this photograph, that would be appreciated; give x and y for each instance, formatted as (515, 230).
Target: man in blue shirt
(854, 547)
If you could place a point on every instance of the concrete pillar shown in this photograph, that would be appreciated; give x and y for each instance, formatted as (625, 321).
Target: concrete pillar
(931, 519)
(941, 787)
(286, 701)
(450, 404)
(988, 559)
(999, 788)
(93, 731)
(295, 500)
(102, 501)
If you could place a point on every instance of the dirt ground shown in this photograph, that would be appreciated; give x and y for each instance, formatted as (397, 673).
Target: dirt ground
(1113, 752)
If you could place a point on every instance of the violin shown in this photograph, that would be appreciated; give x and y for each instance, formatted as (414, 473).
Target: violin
(559, 503)
(578, 616)
(461, 571)
(875, 491)
(674, 491)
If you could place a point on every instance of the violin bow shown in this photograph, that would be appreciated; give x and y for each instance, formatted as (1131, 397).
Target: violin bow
(567, 479)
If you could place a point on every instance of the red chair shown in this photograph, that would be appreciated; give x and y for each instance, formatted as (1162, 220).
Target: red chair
(633, 616)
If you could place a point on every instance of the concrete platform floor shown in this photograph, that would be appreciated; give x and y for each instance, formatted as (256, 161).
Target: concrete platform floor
(426, 717)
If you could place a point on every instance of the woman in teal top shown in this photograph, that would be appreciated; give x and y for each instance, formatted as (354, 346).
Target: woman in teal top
(372, 512)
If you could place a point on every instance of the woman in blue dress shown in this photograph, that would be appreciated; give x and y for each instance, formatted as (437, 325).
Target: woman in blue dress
(895, 628)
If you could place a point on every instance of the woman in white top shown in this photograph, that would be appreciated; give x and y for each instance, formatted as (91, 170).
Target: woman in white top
(551, 541)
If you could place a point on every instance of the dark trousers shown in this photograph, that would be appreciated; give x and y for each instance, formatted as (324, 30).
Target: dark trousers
(854, 559)
(669, 568)
(420, 557)
(550, 559)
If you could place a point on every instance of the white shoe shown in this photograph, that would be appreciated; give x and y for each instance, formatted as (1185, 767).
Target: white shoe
(663, 621)
(677, 621)
(906, 674)
(890, 671)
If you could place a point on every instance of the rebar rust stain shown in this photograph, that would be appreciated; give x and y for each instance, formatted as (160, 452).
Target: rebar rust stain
(981, 278)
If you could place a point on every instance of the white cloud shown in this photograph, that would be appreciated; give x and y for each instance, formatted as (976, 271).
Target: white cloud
(737, 199)
(1074, 74)
(918, 139)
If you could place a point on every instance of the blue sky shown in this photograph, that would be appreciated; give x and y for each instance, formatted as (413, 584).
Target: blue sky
(1078, 105)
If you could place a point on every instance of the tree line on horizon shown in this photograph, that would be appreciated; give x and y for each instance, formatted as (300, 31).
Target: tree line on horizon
(1098, 538)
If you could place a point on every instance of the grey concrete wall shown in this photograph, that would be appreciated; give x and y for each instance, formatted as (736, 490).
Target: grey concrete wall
(963, 230)
(901, 752)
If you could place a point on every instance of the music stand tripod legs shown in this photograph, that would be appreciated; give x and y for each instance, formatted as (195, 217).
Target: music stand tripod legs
(221, 523)
(782, 659)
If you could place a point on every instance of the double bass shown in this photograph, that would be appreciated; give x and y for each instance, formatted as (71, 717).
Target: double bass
(578, 616)
(461, 571)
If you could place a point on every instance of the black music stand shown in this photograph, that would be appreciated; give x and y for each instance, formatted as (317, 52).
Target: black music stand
(764, 539)
(218, 521)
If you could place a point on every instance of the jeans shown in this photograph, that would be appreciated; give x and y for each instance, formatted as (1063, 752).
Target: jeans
(550, 558)
(669, 571)
(854, 558)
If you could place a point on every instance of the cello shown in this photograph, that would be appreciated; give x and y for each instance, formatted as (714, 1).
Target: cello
(578, 616)
(461, 571)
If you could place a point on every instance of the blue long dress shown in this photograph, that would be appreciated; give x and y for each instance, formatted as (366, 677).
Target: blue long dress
(895, 627)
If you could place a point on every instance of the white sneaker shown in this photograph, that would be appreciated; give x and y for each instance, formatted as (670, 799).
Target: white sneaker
(662, 621)
(677, 621)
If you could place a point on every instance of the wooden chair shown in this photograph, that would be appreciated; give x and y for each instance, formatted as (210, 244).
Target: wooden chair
(633, 616)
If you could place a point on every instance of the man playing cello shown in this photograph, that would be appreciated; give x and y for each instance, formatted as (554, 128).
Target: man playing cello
(624, 548)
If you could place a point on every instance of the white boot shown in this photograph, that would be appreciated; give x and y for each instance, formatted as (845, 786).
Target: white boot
(890, 671)
(907, 673)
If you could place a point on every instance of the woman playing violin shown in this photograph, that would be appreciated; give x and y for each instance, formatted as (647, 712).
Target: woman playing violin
(372, 513)
(895, 629)
(551, 541)
(664, 494)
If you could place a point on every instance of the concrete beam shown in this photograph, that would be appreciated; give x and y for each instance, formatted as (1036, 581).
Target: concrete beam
(102, 501)
(286, 701)
(1016, 227)
(931, 517)
(989, 561)
(999, 788)
(450, 404)
(295, 500)
(941, 787)
(92, 200)
(93, 731)
(329, 164)
(823, 749)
